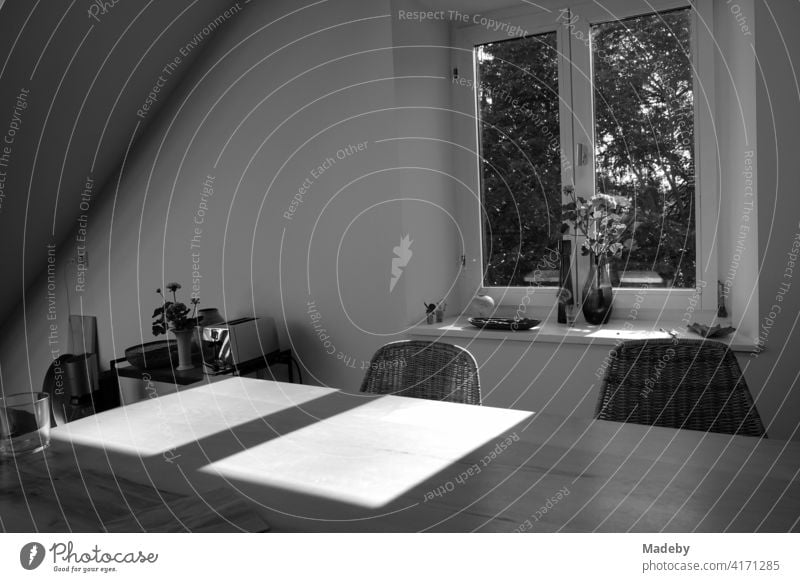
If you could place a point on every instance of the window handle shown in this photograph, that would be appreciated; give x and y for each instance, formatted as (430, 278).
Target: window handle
(583, 154)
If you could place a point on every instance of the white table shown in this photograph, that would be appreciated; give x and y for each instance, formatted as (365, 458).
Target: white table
(323, 460)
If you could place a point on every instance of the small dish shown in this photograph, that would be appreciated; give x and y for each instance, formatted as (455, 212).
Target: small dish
(504, 324)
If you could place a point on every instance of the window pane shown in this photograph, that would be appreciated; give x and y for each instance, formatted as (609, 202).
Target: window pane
(644, 143)
(521, 160)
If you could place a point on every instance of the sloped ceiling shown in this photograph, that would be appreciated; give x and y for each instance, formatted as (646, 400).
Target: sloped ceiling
(484, 6)
(72, 78)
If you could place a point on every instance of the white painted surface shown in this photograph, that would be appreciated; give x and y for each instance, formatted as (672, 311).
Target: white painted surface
(774, 374)
(551, 368)
(610, 334)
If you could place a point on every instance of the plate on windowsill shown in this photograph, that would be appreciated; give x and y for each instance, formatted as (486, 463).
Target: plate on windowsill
(503, 323)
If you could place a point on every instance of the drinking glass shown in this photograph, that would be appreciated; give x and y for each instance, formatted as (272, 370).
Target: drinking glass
(24, 423)
(572, 314)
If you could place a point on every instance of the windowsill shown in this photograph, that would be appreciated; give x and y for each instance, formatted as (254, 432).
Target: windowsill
(582, 333)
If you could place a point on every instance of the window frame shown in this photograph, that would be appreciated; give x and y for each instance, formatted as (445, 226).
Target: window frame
(577, 110)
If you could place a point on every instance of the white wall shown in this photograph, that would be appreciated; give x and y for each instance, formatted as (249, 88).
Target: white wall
(422, 65)
(736, 139)
(274, 102)
(85, 79)
(550, 378)
(773, 374)
(280, 105)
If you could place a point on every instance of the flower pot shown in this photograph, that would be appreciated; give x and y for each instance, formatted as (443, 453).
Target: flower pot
(597, 292)
(184, 340)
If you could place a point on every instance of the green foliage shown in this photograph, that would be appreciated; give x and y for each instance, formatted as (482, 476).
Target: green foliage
(644, 142)
(521, 169)
(602, 221)
(172, 315)
(644, 150)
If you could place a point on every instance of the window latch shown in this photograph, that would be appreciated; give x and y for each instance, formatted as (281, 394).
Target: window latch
(583, 154)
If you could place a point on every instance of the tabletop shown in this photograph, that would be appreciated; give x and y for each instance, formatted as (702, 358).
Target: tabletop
(307, 458)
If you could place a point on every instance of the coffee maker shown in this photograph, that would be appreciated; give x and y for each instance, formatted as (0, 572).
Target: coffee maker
(231, 343)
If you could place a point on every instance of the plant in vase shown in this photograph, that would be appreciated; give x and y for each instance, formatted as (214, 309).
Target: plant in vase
(601, 221)
(174, 316)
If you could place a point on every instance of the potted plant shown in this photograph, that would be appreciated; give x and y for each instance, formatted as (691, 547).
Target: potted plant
(174, 316)
(601, 221)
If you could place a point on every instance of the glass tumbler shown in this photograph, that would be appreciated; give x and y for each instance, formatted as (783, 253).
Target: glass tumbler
(24, 423)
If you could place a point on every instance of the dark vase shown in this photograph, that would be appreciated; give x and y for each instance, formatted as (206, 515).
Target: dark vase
(597, 295)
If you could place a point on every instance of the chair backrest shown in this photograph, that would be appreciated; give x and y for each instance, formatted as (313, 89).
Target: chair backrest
(421, 369)
(682, 383)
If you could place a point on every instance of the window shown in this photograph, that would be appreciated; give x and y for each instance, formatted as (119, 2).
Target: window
(644, 142)
(518, 102)
(601, 97)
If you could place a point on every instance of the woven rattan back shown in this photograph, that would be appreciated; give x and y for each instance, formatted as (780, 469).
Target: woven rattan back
(420, 369)
(682, 383)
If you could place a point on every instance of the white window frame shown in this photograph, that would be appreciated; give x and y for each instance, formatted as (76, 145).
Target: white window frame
(576, 96)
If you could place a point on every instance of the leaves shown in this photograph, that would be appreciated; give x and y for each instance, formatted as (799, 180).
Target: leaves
(615, 249)
(601, 221)
(521, 165)
(564, 295)
(643, 150)
(173, 314)
(644, 132)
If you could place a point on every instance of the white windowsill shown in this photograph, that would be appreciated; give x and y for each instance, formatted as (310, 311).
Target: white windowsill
(582, 333)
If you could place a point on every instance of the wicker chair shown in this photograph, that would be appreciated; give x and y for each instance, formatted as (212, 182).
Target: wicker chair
(693, 384)
(420, 369)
